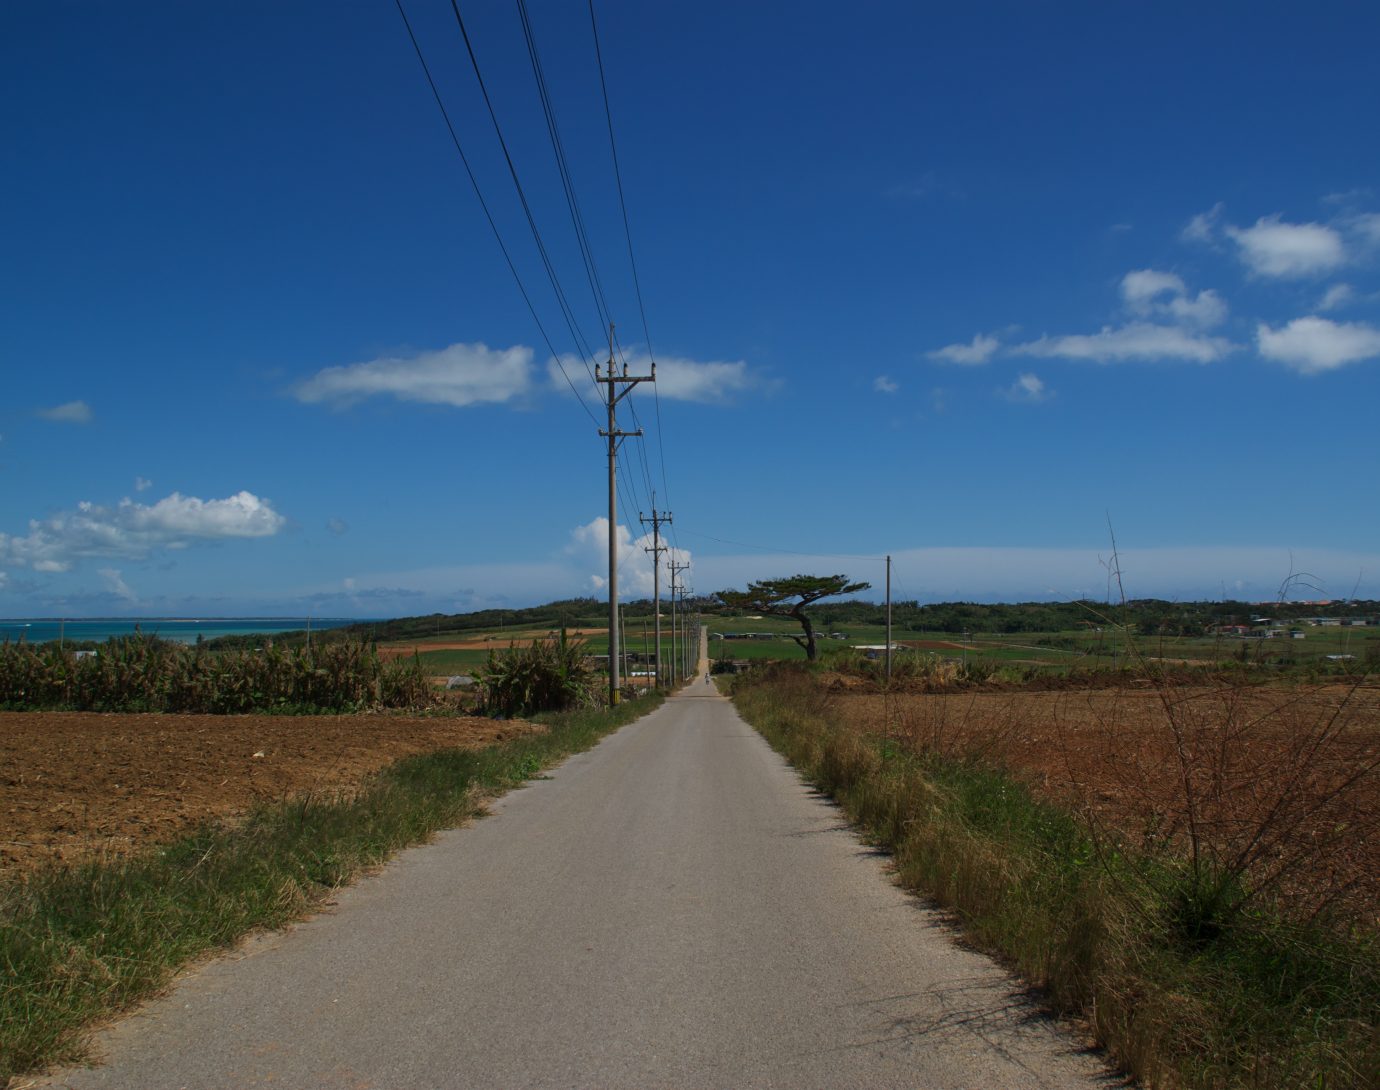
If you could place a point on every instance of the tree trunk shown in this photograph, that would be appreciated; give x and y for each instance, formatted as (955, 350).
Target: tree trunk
(810, 651)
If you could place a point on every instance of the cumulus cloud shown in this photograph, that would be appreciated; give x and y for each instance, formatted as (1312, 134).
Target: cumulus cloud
(883, 385)
(712, 382)
(69, 412)
(1029, 388)
(339, 527)
(1141, 287)
(1337, 296)
(1366, 227)
(1312, 345)
(460, 375)
(115, 584)
(142, 484)
(1132, 342)
(981, 349)
(589, 547)
(1202, 226)
(134, 530)
(1275, 248)
(1148, 292)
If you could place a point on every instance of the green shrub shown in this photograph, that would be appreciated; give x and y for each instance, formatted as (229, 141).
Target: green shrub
(145, 674)
(540, 676)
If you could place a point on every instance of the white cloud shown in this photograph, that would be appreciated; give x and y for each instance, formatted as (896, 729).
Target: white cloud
(1148, 292)
(337, 526)
(714, 382)
(1338, 295)
(69, 412)
(1367, 226)
(1028, 388)
(1312, 345)
(884, 385)
(1207, 309)
(460, 375)
(589, 547)
(142, 484)
(1135, 341)
(1141, 287)
(1201, 227)
(132, 529)
(982, 349)
(114, 582)
(1275, 248)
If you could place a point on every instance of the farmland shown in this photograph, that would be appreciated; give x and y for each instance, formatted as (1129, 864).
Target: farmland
(1110, 755)
(1191, 867)
(80, 786)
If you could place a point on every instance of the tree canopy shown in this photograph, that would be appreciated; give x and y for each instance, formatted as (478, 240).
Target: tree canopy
(788, 597)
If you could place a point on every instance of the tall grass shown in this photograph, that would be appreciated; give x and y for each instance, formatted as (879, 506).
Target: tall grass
(78, 944)
(543, 675)
(144, 673)
(1263, 1001)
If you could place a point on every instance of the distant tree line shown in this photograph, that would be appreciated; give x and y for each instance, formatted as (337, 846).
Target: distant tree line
(1149, 616)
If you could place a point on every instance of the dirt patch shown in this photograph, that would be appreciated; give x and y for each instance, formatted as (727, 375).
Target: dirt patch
(1276, 772)
(492, 642)
(82, 785)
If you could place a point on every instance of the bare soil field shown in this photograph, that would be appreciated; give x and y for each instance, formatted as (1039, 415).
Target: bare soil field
(77, 786)
(1289, 775)
(492, 641)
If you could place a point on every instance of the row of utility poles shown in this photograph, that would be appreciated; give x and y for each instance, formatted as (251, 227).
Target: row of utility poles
(617, 386)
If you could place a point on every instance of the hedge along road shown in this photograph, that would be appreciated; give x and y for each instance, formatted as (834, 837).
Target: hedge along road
(671, 909)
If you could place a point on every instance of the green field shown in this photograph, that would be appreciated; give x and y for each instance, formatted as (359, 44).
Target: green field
(1055, 651)
(445, 661)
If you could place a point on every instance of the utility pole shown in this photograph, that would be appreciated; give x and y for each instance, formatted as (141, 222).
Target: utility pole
(656, 550)
(618, 387)
(888, 621)
(686, 654)
(676, 569)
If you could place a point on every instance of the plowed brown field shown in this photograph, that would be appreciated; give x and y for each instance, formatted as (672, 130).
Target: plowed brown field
(82, 785)
(1289, 775)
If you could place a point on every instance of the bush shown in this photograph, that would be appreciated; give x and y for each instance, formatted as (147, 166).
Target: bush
(145, 674)
(540, 676)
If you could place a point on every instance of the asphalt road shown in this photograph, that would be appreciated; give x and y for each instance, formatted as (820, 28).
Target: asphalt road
(672, 909)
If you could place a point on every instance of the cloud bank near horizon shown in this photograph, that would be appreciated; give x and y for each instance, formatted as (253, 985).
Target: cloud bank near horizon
(133, 530)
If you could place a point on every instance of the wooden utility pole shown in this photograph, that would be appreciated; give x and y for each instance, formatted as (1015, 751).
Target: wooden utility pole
(656, 550)
(618, 387)
(888, 620)
(676, 569)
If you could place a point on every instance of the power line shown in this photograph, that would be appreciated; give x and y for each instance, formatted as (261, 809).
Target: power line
(580, 341)
(793, 552)
(488, 215)
(627, 234)
(618, 176)
(572, 201)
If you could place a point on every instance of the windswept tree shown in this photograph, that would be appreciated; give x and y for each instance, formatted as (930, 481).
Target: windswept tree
(788, 598)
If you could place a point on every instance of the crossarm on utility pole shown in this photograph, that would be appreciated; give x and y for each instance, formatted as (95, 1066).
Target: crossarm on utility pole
(617, 388)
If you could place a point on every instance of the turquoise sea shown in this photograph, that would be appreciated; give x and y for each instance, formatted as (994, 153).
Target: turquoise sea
(181, 629)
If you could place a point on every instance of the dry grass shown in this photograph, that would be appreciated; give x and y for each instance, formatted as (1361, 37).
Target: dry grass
(1181, 867)
(1276, 782)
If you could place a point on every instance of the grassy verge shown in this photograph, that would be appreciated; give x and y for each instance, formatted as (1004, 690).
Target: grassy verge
(78, 944)
(1266, 1002)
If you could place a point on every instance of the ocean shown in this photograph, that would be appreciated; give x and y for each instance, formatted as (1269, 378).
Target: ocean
(181, 629)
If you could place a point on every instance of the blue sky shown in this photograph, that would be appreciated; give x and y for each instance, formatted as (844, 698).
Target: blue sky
(964, 286)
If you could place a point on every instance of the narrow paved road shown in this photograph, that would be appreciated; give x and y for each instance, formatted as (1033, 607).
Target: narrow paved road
(671, 909)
